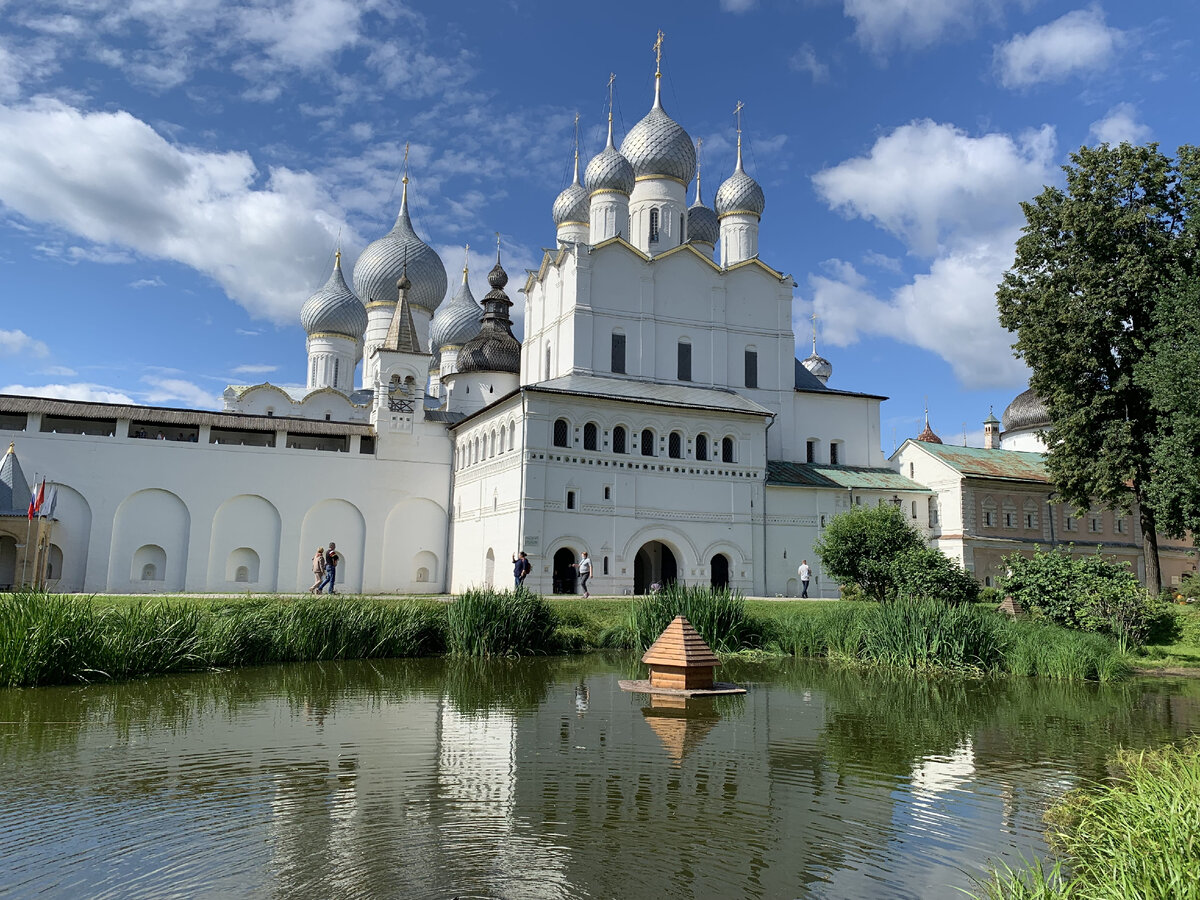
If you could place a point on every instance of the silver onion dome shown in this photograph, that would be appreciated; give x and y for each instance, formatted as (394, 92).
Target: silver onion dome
(819, 366)
(383, 262)
(1027, 411)
(457, 320)
(702, 224)
(571, 206)
(658, 145)
(494, 349)
(740, 193)
(609, 170)
(334, 309)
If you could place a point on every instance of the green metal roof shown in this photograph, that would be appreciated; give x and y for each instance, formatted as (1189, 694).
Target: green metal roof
(797, 474)
(1011, 465)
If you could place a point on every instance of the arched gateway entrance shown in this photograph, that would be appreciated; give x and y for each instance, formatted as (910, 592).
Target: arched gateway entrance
(563, 575)
(720, 571)
(654, 564)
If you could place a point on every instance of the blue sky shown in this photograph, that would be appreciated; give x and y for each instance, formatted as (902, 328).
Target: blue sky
(175, 174)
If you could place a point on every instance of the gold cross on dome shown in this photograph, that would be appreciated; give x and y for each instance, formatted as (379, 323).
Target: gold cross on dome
(737, 111)
(658, 53)
(405, 162)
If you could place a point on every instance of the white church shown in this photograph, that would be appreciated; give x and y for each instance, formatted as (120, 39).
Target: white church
(655, 415)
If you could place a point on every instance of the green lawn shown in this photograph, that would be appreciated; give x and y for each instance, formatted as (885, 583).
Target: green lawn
(1183, 652)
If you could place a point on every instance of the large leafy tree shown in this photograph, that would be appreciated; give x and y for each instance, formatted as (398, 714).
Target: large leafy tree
(1091, 263)
(860, 547)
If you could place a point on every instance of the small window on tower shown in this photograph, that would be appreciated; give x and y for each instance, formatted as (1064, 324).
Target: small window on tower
(751, 368)
(685, 361)
(618, 354)
(654, 226)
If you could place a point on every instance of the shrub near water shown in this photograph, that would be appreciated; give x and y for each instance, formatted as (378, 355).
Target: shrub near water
(718, 615)
(484, 622)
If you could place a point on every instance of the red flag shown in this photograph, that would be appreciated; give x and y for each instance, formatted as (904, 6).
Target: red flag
(35, 501)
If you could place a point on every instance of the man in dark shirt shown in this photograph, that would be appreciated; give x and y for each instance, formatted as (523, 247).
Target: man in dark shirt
(521, 568)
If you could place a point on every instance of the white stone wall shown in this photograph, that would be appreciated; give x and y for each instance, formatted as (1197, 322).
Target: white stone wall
(198, 511)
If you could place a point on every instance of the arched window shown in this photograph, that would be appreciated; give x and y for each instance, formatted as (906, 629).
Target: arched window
(618, 353)
(675, 445)
(562, 432)
(492, 441)
(654, 226)
(702, 447)
(619, 440)
(933, 511)
(547, 362)
(589, 436)
(512, 435)
(422, 574)
(647, 442)
(751, 367)
(684, 360)
(242, 575)
(835, 455)
(727, 449)
(914, 509)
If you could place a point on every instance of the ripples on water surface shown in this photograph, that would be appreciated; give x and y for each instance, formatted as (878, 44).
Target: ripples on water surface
(435, 779)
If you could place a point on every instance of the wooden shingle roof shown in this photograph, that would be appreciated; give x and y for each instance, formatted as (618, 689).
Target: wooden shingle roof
(680, 645)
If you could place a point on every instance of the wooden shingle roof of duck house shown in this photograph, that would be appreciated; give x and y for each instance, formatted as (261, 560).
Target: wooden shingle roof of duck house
(680, 662)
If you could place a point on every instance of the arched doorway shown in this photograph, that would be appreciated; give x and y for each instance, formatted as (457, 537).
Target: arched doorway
(8, 562)
(720, 571)
(563, 575)
(654, 564)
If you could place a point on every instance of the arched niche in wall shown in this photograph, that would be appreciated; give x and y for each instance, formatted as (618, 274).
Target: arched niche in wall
(341, 522)
(71, 530)
(251, 523)
(242, 567)
(414, 538)
(149, 518)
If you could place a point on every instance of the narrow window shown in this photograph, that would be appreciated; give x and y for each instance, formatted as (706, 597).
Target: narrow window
(607, 492)
(1070, 523)
(589, 436)
(675, 445)
(337, 367)
(570, 499)
(312, 381)
(727, 449)
(702, 447)
(911, 470)
(618, 353)
(822, 520)
(619, 440)
(654, 226)
(810, 451)
(833, 454)
(933, 511)
(751, 368)
(685, 361)
(561, 432)
(914, 509)
(547, 362)
(647, 442)
(606, 565)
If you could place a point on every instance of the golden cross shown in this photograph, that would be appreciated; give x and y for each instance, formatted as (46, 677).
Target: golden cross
(497, 248)
(466, 257)
(658, 53)
(814, 321)
(405, 179)
(737, 111)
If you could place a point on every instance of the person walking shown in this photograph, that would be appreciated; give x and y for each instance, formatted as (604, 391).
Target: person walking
(521, 568)
(584, 567)
(318, 564)
(805, 574)
(332, 558)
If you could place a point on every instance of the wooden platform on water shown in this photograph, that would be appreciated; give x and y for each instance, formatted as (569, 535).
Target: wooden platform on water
(643, 686)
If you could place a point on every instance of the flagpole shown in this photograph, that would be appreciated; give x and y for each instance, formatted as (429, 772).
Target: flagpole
(28, 526)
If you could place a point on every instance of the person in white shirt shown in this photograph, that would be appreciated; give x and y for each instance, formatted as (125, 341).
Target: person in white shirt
(805, 574)
(584, 567)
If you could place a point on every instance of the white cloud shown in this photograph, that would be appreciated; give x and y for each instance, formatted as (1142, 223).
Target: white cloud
(738, 6)
(177, 390)
(254, 370)
(14, 343)
(1076, 43)
(926, 180)
(155, 282)
(951, 197)
(881, 25)
(1120, 124)
(95, 393)
(805, 60)
(111, 179)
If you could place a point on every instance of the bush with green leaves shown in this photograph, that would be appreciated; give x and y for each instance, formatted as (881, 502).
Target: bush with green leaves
(1087, 593)
(923, 573)
(861, 546)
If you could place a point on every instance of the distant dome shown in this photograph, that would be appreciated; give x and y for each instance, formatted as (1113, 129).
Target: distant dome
(658, 145)
(383, 262)
(609, 170)
(457, 320)
(927, 435)
(1027, 412)
(819, 366)
(334, 309)
(572, 206)
(702, 223)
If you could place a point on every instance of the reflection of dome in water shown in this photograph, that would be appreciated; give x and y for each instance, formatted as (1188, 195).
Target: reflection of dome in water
(1026, 412)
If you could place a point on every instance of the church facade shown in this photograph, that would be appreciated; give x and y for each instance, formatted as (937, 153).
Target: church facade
(654, 415)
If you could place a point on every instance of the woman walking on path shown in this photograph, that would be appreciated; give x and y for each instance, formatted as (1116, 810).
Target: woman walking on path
(318, 564)
(584, 567)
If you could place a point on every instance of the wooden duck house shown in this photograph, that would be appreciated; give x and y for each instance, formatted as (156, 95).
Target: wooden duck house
(680, 660)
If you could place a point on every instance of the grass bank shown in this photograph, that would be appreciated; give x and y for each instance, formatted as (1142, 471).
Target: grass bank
(52, 639)
(1138, 835)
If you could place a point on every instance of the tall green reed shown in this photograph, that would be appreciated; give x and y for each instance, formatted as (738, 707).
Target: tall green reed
(485, 622)
(718, 615)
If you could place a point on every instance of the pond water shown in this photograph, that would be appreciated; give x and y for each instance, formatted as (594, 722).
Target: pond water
(542, 779)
